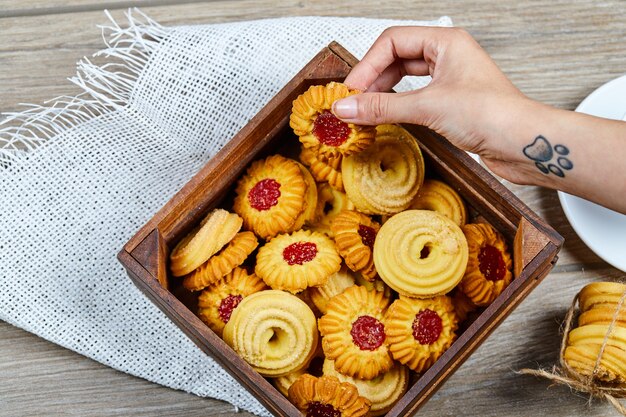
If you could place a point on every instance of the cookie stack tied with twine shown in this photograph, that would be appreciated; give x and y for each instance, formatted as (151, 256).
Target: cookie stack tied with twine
(592, 358)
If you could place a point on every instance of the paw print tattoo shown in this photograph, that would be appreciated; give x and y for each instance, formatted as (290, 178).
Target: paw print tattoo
(542, 153)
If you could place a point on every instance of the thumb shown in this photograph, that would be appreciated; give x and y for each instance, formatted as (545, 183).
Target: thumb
(380, 108)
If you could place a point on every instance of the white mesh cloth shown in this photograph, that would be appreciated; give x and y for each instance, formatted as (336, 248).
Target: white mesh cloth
(78, 179)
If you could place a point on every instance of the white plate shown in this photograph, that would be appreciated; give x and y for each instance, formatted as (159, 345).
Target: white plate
(603, 230)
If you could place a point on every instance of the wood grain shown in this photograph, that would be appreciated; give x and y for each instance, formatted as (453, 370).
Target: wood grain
(555, 51)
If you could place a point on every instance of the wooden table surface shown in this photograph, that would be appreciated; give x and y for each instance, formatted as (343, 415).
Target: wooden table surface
(555, 51)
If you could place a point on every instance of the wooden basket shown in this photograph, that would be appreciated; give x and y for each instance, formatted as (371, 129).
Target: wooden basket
(145, 256)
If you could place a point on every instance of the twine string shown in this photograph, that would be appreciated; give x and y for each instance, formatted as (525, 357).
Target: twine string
(589, 384)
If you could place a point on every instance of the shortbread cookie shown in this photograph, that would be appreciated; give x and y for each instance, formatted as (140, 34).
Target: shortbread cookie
(584, 360)
(318, 128)
(327, 396)
(336, 284)
(489, 265)
(330, 204)
(220, 264)
(601, 293)
(273, 195)
(216, 230)
(385, 177)
(353, 334)
(383, 391)
(420, 330)
(440, 197)
(274, 331)
(217, 302)
(420, 253)
(355, 234)
(297, 261)
(324, 169)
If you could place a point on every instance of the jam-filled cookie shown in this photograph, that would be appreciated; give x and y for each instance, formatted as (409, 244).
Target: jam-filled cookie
(383, 391)
(330, 204)
(384, 178)
(216, 230)
(489, 265)
(440, 197)
(220, 264)
(420, 253)
(297, 261)
(324, 169)
(420, 330)
(353, 334)
(355, 234)
(318, 128)
(274, 331)
(327, 396)
(276, 195)
(217, 302)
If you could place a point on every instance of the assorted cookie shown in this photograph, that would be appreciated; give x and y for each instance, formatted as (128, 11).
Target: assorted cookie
(349, 257)
(597, 347)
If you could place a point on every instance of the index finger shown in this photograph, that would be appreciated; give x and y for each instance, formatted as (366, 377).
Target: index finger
(397, 42)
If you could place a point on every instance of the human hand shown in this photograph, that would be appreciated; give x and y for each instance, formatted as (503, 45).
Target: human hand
(469, 100)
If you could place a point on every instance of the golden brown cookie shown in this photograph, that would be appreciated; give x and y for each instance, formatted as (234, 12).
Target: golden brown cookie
(273, 195)
(216, 230)
(420, 330)
(353, 334)
(584, 360)
(217, 302)
(336, 284)
(297, 261)
(319, 129)
(220, 264)
(385, 177)
(324, 169)
(601, 293)
(330, 204)
(462, 305)
(420, 253)
(327, 396)
(603, 314)
(274, 331)
(383, 391)
(489, 265)
(283, 383)
(440, 197)
(355, 234)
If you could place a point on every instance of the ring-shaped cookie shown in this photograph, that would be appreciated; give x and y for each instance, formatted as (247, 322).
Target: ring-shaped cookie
(327, 396)
(420, 330)
(215, 230)
(297, 261)
(383, 391)
(317, 127)
(489, 264)
(274, 331)
(220, 264)
(420, 253)
(217, 302)
(440, 197)
(384, 178)
(353, 334)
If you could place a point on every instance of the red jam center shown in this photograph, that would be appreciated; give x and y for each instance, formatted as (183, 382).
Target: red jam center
(329, 130)
(367, 333)
(427, 327)
(227, 306)
(368, 235)
(318, 409)
(300, 252)
(264, 194)
(491, 264)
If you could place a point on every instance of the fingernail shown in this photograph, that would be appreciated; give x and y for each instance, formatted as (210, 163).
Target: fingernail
(345, 108)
